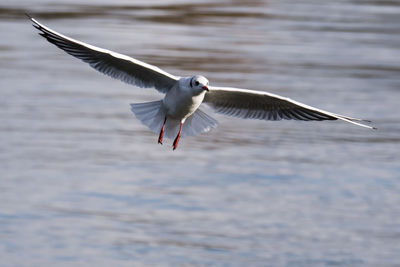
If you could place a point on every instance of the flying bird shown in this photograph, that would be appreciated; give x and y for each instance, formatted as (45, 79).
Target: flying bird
(178, 113)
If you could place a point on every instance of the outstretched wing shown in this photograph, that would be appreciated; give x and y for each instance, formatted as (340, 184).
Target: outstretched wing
(250, 104)
(113, 64)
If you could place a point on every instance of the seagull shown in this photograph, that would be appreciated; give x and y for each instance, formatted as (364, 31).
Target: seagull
(178, 113)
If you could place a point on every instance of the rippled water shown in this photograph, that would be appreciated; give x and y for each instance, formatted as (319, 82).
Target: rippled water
(83, 183)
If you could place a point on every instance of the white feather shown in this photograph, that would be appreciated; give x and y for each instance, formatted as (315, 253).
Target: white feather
(152, 114)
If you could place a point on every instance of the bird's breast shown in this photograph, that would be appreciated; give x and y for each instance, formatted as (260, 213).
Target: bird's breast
(181, 104)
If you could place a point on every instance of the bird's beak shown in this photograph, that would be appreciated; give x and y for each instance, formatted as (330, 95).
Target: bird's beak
(205, 88)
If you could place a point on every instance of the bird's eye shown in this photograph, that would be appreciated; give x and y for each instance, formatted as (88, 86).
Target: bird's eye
(196, 83)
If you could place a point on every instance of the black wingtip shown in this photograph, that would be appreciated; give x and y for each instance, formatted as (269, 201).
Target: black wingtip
(372, 127)
(29, 16)
(369, 121)
(34, 22)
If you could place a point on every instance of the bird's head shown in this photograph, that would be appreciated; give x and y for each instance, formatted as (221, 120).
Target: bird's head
(198, 84)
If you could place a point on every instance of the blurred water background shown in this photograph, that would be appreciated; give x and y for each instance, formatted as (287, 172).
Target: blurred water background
(83, 183)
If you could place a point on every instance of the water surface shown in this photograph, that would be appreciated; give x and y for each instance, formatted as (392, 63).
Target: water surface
(84, 183)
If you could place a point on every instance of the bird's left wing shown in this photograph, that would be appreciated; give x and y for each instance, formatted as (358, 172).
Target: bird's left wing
(113, 64)
(252, 104)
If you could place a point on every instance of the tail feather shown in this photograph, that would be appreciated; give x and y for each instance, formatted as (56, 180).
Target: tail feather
(152, 114)
(199, 122)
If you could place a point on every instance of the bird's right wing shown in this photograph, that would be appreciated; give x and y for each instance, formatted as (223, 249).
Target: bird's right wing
(250, 104)
(113, 64)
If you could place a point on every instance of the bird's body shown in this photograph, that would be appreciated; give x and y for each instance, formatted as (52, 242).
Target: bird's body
(179, 113)
(180, 101)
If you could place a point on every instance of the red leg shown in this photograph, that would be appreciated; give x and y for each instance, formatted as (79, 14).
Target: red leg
(176, 141)
(160, 138)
